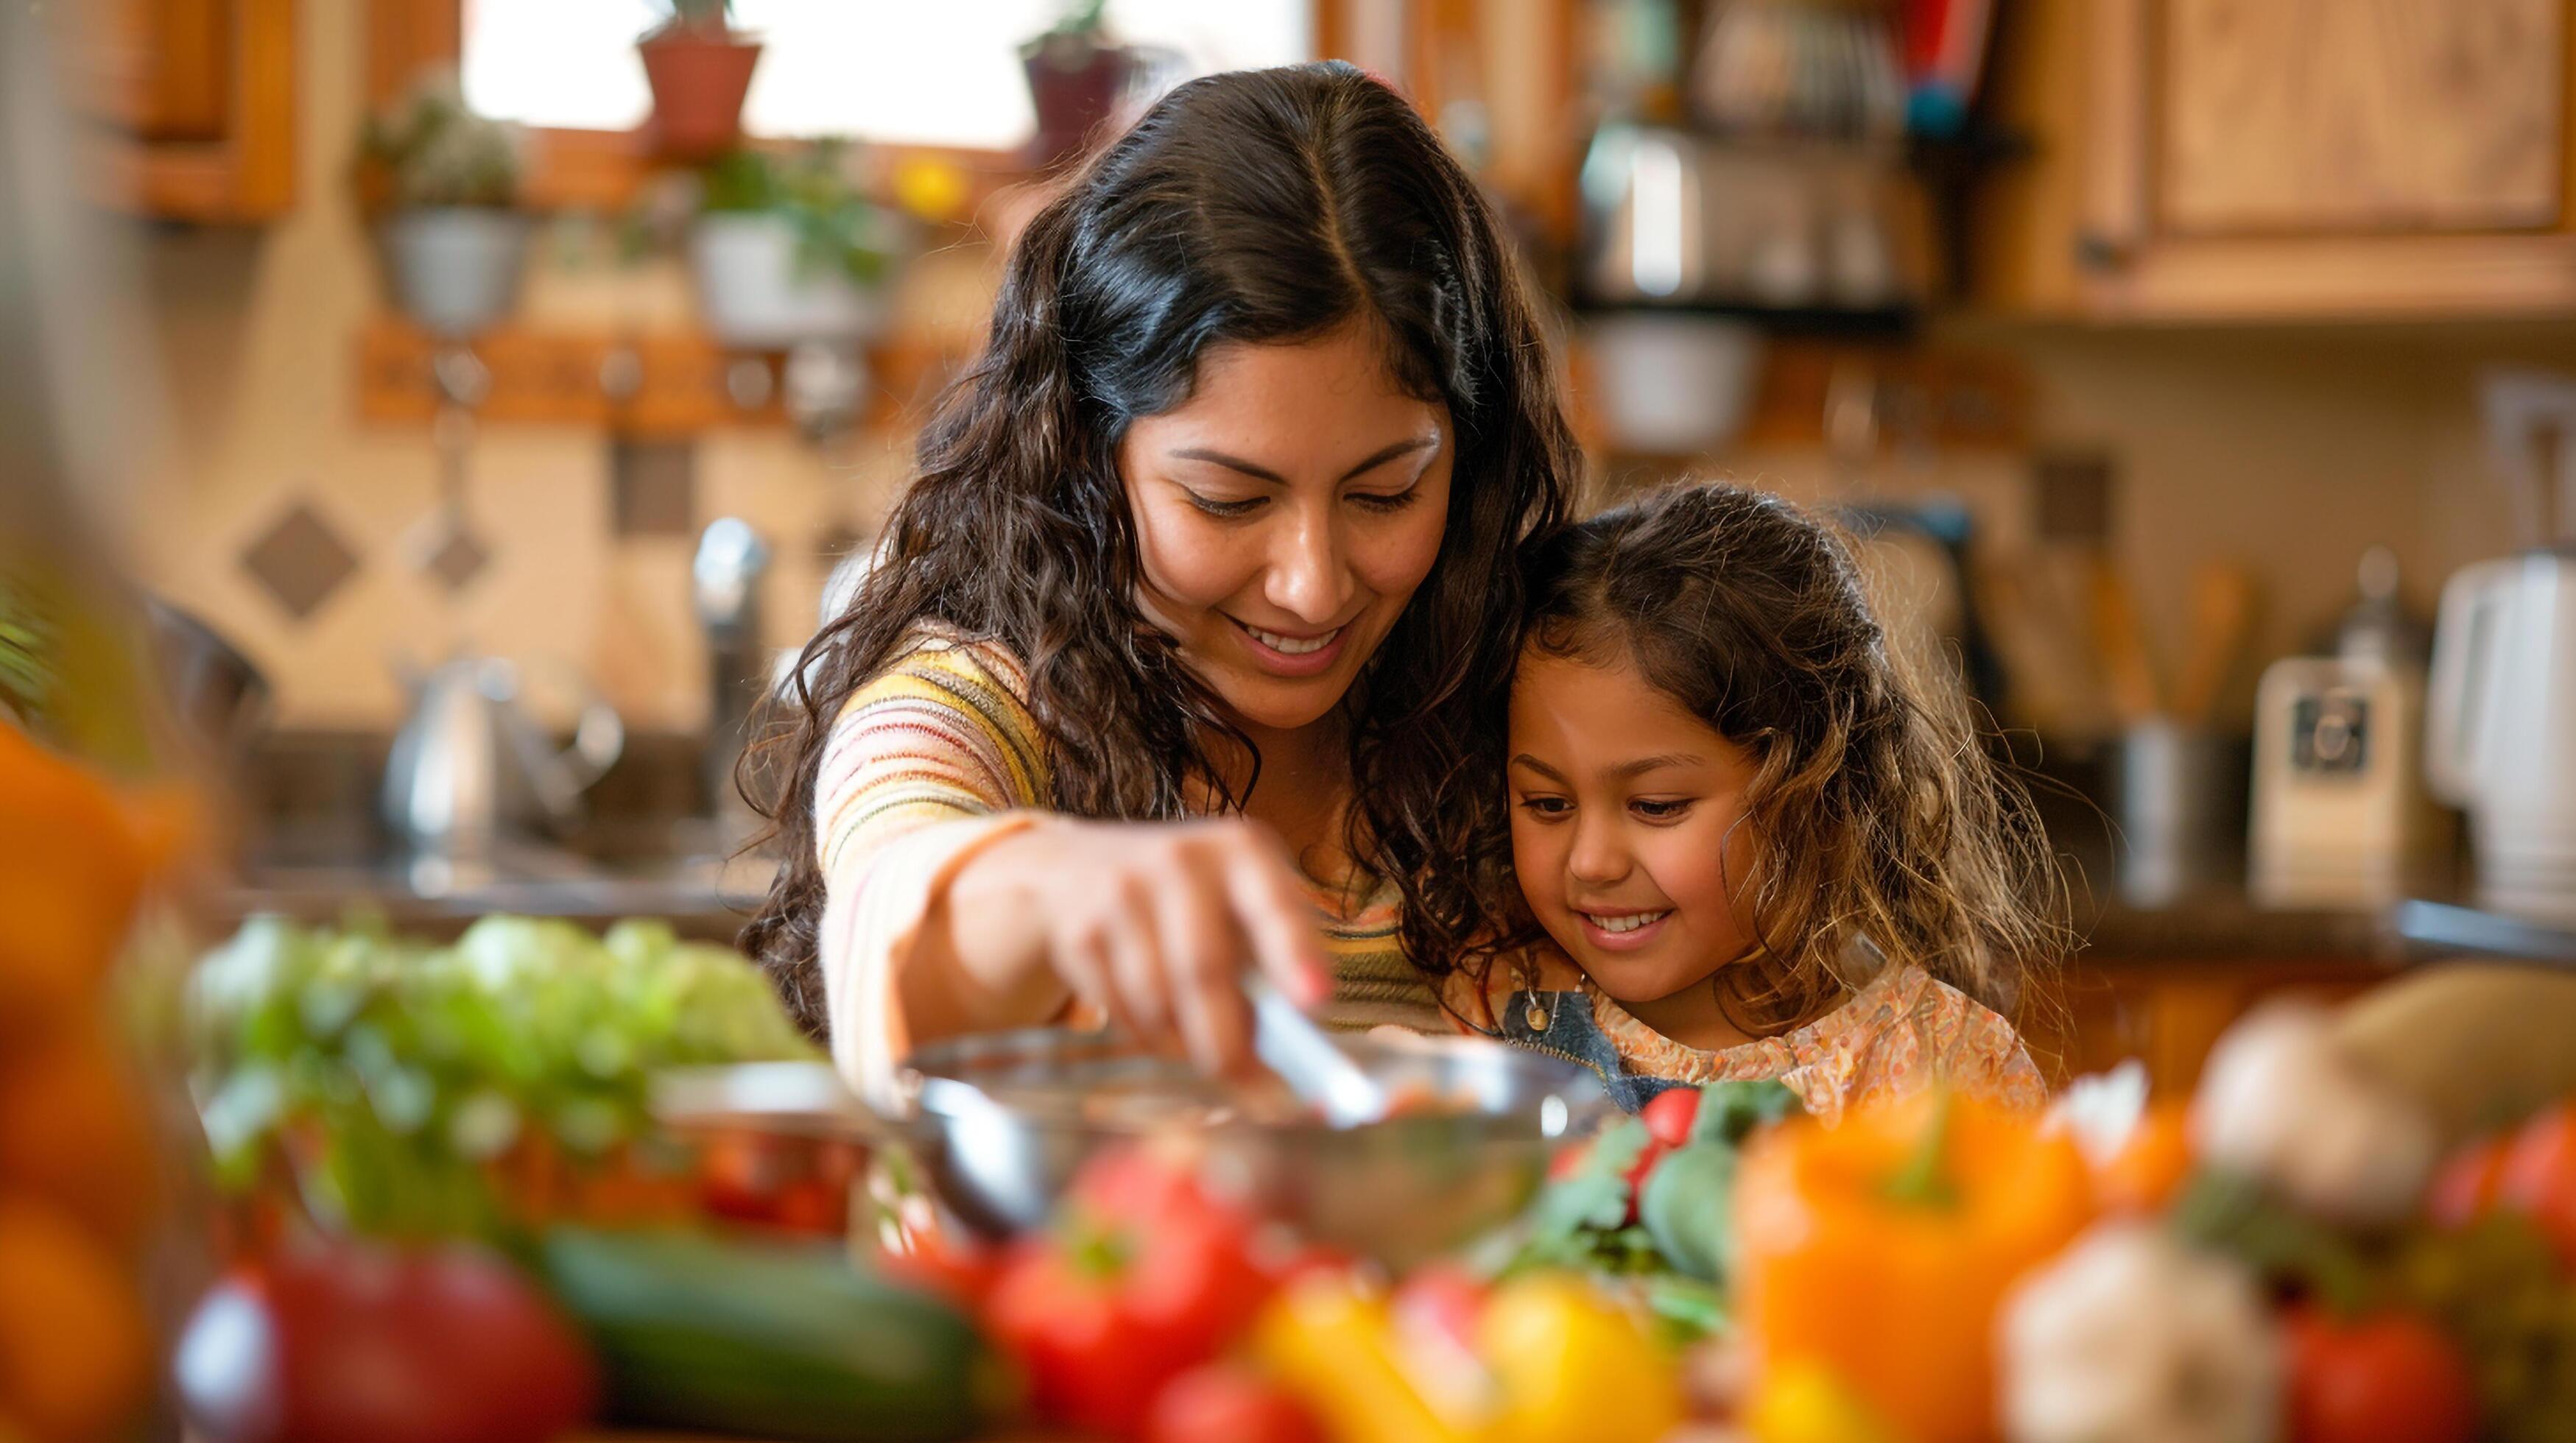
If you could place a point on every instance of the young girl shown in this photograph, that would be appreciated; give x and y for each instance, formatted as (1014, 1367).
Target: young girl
(1747, 841)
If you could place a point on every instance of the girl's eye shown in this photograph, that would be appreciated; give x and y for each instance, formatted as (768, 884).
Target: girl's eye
(1214, 507)
(1546, 807)
(1387, 501)
(1658, 810)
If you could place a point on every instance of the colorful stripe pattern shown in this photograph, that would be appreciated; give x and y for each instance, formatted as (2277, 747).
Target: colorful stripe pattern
(933, 760)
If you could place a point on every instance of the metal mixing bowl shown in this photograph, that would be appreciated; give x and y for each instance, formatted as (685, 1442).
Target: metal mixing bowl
(1000, 1121)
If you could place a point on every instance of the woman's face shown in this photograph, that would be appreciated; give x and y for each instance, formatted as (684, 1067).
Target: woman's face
(1625, 835)
(1284, 515)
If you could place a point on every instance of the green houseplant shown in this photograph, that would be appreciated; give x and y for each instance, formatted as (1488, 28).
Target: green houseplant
(787, 247)
(699, 68)
(445, 182)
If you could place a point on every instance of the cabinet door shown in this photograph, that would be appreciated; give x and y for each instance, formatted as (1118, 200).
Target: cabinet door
(158, 69)
(2341, 116)
(2284, 159)
(195, 102)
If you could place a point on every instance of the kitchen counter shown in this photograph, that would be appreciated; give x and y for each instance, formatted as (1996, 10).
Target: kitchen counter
(705, 899)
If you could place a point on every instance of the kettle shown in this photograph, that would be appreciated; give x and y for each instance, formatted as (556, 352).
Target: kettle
(470, 769)
(2500, 726)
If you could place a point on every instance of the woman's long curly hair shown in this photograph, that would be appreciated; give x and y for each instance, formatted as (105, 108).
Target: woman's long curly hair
(1256, 207)
(1875, 810)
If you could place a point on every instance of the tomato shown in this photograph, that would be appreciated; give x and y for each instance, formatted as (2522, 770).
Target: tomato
(959, 1269)
(446, 1345)
(1568, 1161)
(2538, 1177)
(1638, 1171)
(2386, 1378)
(1145, 1276)
(1226, 1401)
(1441, 1301)
(2464, 1189)
(1668, 1115)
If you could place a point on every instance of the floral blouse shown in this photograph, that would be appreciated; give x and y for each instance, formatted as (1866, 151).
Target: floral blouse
(1903, 1031)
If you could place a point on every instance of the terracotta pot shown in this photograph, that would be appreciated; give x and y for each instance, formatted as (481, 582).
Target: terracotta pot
(699, 81)
(1074, 85)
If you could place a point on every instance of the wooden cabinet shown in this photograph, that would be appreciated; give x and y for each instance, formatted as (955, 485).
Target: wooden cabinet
(2168, 1013)
(191, 105)
(2261, 159)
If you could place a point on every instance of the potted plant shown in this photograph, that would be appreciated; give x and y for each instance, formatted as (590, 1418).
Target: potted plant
(787, 248)
(1076, 77)
(447, 183)
(699, 68)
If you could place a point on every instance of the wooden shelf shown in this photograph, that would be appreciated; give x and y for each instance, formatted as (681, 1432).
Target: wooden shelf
(193, 104)
(666, 384)
(653, 385)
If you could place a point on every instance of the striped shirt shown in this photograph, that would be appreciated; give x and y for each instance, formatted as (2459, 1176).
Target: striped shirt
(938, 757)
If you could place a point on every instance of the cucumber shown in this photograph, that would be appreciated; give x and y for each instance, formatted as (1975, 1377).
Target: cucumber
(773, 1340)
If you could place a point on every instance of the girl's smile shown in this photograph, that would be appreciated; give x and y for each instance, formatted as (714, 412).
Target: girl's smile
(1624, 833)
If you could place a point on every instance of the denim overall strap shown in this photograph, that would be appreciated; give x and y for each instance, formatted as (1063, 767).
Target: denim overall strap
(1560, 1024)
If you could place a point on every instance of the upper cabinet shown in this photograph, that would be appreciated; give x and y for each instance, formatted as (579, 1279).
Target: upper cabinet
(190, 104)
(2278, 159)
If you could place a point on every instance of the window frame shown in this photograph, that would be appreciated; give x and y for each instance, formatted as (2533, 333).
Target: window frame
(602, 170)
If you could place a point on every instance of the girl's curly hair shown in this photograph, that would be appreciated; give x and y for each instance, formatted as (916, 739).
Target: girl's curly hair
(1247, 208)
(1875, 808)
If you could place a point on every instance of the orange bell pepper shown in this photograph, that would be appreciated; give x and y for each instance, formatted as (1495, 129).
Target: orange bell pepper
(1879, 1251)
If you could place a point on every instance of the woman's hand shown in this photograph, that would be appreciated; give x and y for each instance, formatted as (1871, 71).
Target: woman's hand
(1153, 923)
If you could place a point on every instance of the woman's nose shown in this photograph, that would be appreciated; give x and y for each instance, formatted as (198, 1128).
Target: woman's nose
(1597, 857)
(1310, 574)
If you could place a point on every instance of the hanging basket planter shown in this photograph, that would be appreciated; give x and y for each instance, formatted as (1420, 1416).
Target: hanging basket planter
(455, 270)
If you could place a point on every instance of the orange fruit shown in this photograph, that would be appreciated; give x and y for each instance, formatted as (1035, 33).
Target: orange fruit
(73, 1129)
(75, 1352)
(2147, 1170)
(72, 864)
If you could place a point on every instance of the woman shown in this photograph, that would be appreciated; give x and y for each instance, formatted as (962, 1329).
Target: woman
(1175, 641)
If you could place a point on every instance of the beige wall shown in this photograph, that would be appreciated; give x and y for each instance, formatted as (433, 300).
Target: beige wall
(2293, 450)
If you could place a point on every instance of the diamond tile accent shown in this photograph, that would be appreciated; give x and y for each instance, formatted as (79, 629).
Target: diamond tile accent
(455, 561)
(300, 561)
(653, 487)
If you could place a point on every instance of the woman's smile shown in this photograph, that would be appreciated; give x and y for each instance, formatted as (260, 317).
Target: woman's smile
(1285, 514)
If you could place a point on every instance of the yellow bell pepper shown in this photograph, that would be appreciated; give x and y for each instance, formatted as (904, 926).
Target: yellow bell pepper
(1804, 1403)
(1561, 1364)
(1880, 1250)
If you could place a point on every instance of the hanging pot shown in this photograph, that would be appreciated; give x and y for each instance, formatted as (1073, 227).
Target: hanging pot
(756, 292)
(698, 80)
(456, 269)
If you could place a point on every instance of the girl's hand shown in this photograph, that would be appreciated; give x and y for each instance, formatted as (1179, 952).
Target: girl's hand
(1156, 923)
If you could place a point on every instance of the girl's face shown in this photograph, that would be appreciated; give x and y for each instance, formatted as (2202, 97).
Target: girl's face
(1624, 835)
(1284, 515)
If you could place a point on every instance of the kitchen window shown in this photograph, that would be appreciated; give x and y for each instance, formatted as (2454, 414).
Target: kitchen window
(942, 73)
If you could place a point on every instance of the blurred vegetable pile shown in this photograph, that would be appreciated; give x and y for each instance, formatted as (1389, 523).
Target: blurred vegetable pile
(420, 1090)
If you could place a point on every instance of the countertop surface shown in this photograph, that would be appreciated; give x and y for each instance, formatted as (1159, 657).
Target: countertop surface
(710, 898)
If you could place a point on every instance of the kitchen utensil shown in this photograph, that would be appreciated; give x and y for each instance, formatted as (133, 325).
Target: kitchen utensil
(2180, 795)
(2466, 929)
(218, 692)
(2500, 726)
(2122, 646)
(725, 590)
(1671, 385)
(1315, 1067)
(2222, 614)
(1000, 1121)
(470, 771)
(2340, 815)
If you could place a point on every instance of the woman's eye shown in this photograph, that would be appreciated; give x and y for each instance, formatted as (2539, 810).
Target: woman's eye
(1546, 806)
(1387, 501)
(1659, 810)
(1214, 507)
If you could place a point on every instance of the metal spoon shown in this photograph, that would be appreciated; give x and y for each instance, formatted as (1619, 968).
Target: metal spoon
(1315, 1067)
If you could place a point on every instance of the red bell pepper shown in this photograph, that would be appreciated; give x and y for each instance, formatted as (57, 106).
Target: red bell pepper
(1144, 1276)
